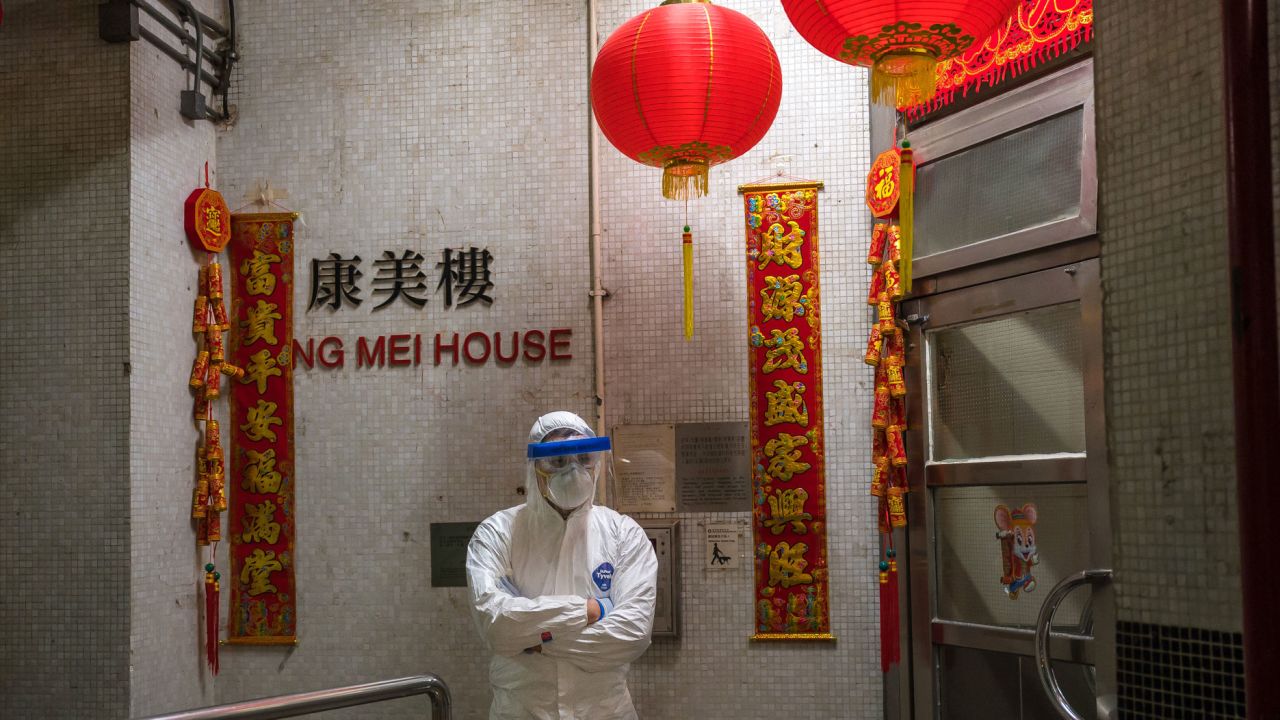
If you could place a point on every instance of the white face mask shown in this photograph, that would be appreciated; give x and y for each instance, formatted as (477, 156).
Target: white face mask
(570, 488)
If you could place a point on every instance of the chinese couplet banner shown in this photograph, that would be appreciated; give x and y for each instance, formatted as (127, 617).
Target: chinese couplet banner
(262, 481)
(785, 371)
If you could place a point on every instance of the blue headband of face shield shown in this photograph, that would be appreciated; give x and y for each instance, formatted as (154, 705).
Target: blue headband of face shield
(568, 447)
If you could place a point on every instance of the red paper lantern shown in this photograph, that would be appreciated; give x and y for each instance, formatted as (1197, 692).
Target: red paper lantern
(685, 86)
(902, 41)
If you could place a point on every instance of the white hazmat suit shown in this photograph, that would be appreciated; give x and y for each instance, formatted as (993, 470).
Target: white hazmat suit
(530, 571)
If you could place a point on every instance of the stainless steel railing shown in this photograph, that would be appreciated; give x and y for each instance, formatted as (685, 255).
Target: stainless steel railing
(1044, 625)
(283, 706)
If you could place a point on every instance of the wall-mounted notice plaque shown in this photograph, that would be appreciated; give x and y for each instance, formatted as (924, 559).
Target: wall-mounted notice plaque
(449, 553)
(713, 467)
(691, 467)
(644, 468)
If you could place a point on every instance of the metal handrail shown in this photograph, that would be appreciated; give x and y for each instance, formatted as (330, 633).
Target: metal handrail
(283, 706)
(1044, 624)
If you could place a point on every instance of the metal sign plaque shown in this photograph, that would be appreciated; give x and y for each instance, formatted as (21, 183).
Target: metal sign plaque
(449, 553)
(713, 467)
(644, 468)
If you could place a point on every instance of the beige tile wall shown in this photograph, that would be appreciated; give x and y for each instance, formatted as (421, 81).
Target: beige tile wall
(1167, 327)
(64, 364)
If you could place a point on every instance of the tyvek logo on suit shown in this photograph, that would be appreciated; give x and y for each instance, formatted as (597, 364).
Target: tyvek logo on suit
(603, 576)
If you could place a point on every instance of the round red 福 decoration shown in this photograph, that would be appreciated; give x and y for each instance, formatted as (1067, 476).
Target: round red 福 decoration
(207, 220)
(902, 41)
(883, 189)
(685, 86)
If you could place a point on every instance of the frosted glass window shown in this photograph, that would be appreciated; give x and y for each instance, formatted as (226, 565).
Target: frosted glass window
(970, 561)
(1020, 180)
(1008, 386)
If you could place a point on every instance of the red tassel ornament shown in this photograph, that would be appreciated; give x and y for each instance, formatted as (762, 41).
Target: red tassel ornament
(211, 611)
(890, 617)
(885, 601)
(890, 646)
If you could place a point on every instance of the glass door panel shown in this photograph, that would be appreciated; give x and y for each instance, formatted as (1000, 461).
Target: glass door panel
(973, 579)
(983, 685)
(1011, 385)
(1009, 496)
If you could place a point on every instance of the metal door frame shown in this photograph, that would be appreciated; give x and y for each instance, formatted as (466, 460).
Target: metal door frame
(1076, 281)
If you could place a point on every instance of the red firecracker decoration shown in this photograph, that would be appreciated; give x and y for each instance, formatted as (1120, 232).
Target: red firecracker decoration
(887, 191)
(902, 41)
(209, 497)
(208, 225)
(685, 86)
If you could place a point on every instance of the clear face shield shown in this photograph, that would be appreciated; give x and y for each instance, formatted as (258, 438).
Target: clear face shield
(568, 468)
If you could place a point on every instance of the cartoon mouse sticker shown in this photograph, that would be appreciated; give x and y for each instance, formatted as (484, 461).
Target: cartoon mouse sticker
(1017, 534)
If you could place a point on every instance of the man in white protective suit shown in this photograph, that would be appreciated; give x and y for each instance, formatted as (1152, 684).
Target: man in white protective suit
(562, 590)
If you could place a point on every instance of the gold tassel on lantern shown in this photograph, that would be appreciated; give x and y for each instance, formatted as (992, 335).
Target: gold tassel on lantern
(906, 208)
(684, 178)
(904, 77)
(687, 251)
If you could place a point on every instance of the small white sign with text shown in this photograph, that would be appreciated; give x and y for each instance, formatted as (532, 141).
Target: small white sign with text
(722, 545)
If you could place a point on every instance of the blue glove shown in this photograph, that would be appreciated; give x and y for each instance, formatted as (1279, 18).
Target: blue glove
(606, 606)
(509, 586)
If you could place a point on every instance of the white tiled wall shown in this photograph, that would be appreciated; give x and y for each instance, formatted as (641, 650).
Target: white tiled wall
(412, 126)
(398, 125)
(393, 126)
(1167, 324)
(654, 376)
(64, 364)
(401, 125)
(166, 158)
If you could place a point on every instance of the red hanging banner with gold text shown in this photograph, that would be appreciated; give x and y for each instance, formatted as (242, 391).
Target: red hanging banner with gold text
(262, 480)
(785, 371)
